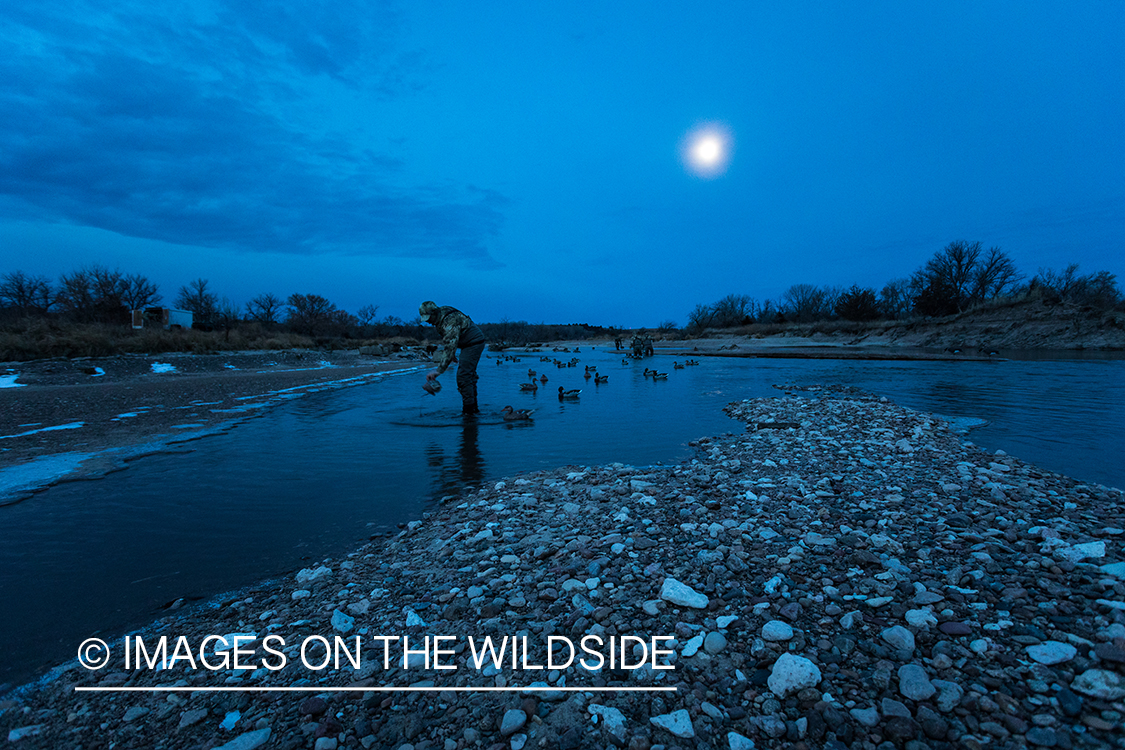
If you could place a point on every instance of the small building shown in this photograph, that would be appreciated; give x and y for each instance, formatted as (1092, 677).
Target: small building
(166, 317)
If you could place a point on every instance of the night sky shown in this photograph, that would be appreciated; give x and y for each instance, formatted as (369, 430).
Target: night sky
(544, 162)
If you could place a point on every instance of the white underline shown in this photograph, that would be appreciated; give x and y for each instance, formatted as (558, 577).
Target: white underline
(372, 689)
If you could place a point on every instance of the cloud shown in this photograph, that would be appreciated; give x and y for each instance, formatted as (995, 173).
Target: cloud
(198, 125)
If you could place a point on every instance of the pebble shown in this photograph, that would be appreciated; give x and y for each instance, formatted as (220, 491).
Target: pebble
(1052, 652)
(791, 673)
(513, 721)
(681, 594)
(908, 613)
(677, 723)
(776, 630)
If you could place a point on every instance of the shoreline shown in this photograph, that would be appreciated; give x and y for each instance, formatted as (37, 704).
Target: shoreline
(81, 419)
(930, 585)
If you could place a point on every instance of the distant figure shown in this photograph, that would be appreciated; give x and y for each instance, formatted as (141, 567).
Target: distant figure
(648, 346)
(617, 343)
(458, 331)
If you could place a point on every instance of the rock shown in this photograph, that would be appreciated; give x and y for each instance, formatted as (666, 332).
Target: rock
(680, 594)
(612, 719)
(791, 673)
(776, 630)
(341, 622)
(135, 713)
(914, 683)
(1079, 552)
(15, 735)
(331, 743)
(714, 643)
(189, 718)
(1100, 683)
(248, 741)
(313, 706)
(691, 648)
(677, 723)
(737, 742)
(868, 717)
(951, 627)
(899, 638)
(513, 721)
(308, 575)
(949, 694)
(1052, 652)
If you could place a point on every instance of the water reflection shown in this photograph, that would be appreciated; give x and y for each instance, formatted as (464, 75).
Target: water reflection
(464, 469)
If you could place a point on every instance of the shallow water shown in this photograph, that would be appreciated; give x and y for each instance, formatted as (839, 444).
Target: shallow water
(316, 476)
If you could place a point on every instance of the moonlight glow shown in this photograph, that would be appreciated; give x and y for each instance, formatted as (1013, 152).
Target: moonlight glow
(706, 150)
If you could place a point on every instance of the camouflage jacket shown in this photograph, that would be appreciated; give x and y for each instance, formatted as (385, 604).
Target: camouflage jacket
(457, 330)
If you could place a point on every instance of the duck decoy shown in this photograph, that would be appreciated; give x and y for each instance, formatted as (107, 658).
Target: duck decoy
(599, 379)
(514, 415)
(677, 366)
(659, 375)
(532, 386)
(571, 394)
(543, 379)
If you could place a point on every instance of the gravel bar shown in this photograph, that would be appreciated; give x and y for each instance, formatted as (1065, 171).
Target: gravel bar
(843, 573)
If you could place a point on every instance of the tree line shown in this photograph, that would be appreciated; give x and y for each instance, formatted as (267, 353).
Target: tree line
(96, 294)
(961, 276)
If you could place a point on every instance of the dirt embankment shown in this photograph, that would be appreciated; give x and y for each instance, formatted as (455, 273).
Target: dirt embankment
(1031, 325)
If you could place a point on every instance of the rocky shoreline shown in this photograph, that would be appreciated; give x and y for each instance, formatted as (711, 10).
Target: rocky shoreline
(845, 573)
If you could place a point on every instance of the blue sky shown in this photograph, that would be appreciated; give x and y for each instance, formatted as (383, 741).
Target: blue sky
(523, 160)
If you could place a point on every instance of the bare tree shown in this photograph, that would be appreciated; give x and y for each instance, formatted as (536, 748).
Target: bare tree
(367, 314)
(25, 294)
(896, 300)
(733, 310)
(805, 302)
(93, 293)
(994, 275)
(311, 314)
(138, 292)
(265, 309)
(202, 303)
(1098, 289)
(701, 317)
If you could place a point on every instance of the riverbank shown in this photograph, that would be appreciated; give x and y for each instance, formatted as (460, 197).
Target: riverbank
(845, 572)
(65, 419)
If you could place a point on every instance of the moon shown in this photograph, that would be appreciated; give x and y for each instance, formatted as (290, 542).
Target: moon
(706, 150)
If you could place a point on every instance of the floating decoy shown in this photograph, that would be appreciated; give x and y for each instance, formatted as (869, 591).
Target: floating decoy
(571, 394)
(599, 379)
(532, 386)
(530, 373)
(543, 379)
(677, 366)
(513, 415)
(659, 375)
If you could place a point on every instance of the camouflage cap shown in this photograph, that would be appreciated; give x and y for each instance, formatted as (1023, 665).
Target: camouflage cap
(426, 309)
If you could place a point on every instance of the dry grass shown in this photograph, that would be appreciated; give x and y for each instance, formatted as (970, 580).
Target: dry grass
(40, 339)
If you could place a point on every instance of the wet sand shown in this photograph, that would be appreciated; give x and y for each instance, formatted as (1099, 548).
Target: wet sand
(69, 417)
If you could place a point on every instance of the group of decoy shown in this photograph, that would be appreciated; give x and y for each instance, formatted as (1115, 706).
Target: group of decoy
(655, 375)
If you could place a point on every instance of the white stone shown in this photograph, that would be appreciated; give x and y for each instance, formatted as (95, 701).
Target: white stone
(691, 648)
(1100, 683)
(738, 742)
(1052, 652)
(413, 618)
(899, 638)
(309, 574)
(920, 618)
(513, 721)
(613, 720)
(681, 594)
(342, 622)
(791, 673)
(776, 630)
(677, 722)
(248, 741)
(1079, 552)
(725, 621)
(1117, 570)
